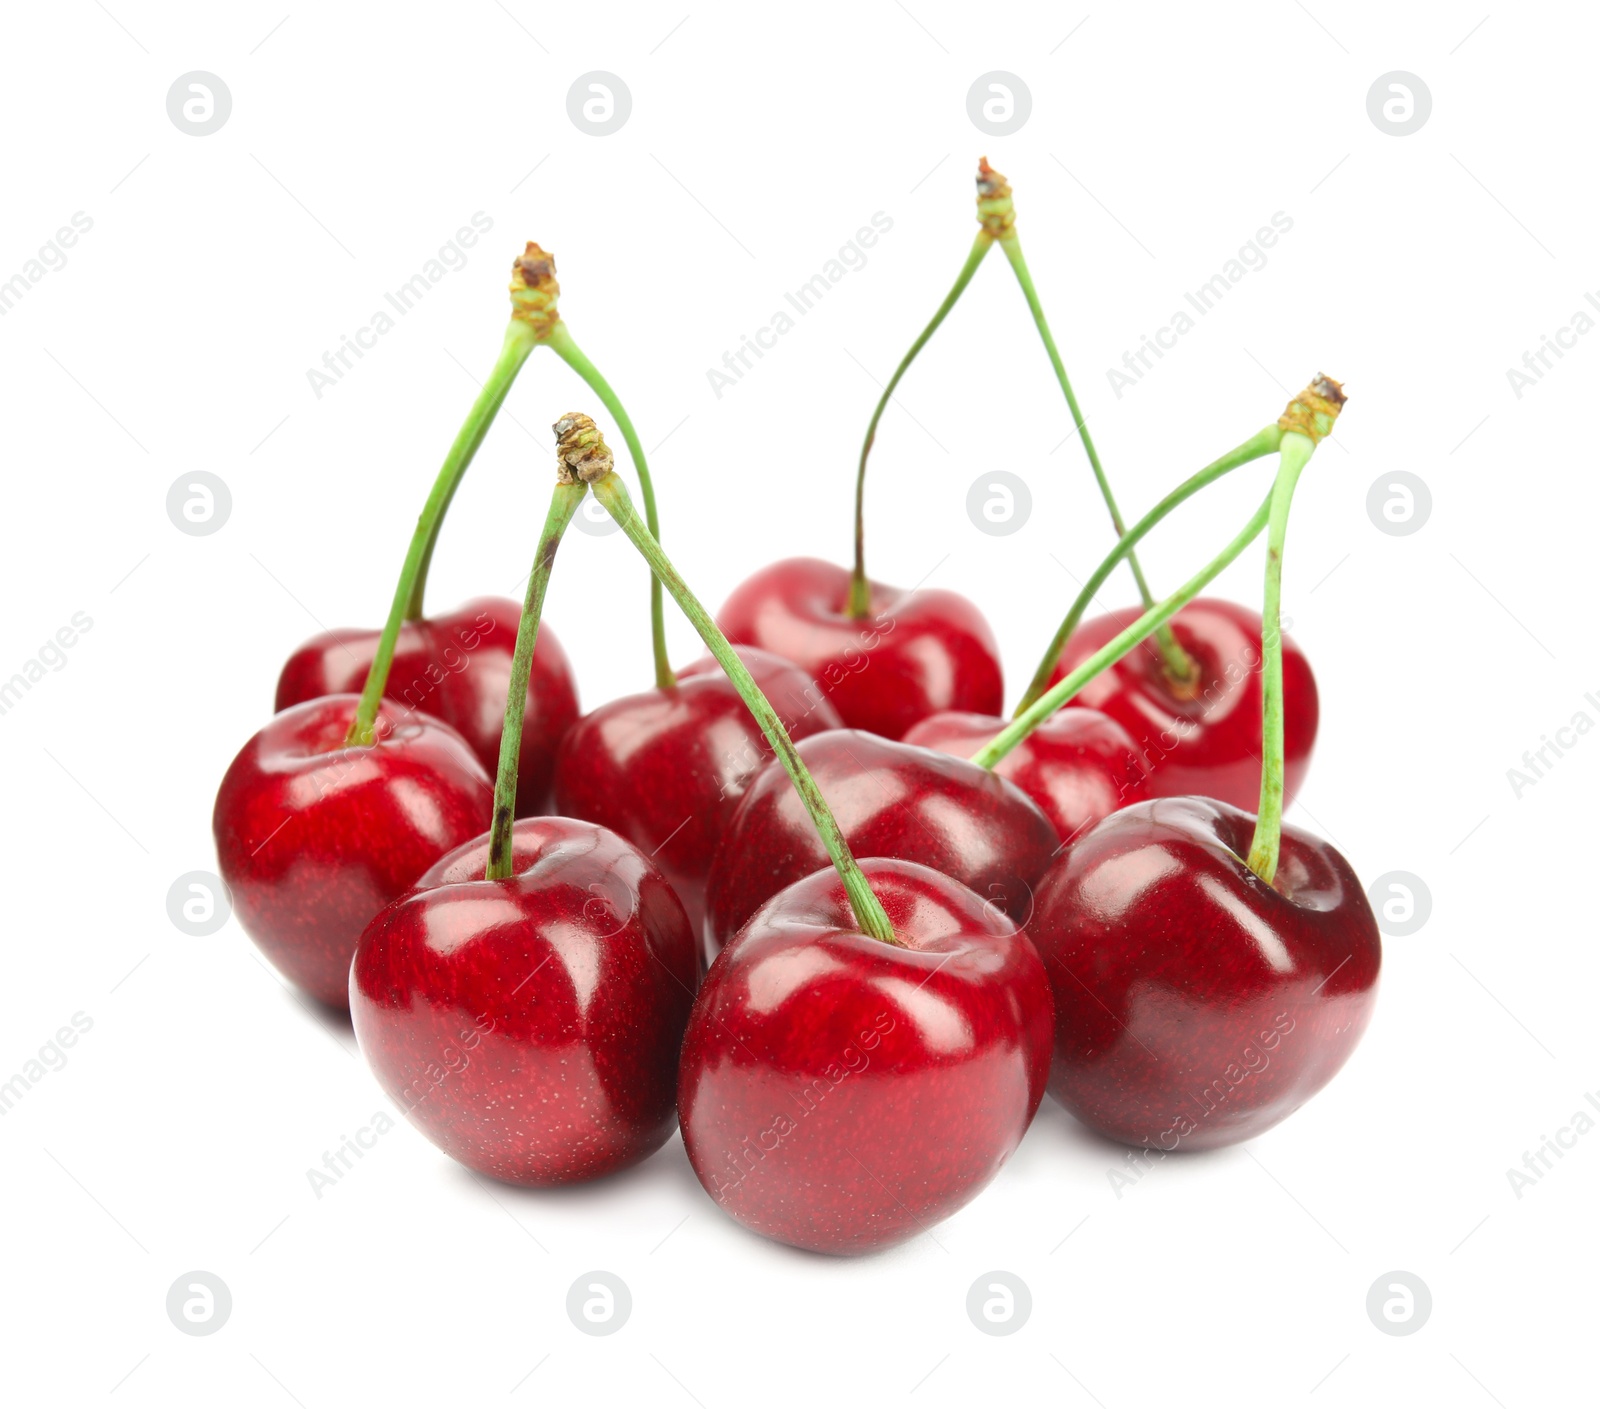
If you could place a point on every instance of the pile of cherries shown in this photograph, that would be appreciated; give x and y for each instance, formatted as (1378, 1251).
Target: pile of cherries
(814, 897)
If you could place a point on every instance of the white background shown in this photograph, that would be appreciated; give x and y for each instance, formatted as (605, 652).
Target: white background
(219, 269)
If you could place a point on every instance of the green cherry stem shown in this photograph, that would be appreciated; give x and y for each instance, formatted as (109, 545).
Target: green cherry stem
(520, 341)
(1309, 418)
(533, 314)
(860, 599)
(1118, 646)
(534, 292)
(1264, 442)
(1177, 662)
(561, 343)
(1263, 858)
(535, 320)
(994, 218)
(1304, 423)
(563, 505)
(584, 455)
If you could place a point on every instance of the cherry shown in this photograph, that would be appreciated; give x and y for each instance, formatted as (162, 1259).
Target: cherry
(843, 1094)
(1212, 970)
(887, 658)
(909, 655)
(314, 837)
(1197, 1006)
(530, 1027)
(1203, 739)
(1079, 765)
(666, 768)
(526, 1001)
(892, 800)
(456, 668)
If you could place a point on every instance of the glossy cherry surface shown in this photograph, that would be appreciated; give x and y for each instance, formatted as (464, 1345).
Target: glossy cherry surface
(1079, 765)
(890, 799)
(843, 1094)
(914, 654)
(313, 839)
(1195, 1006)
(1206, 742)
(667, 768)
(455, 667)
(530, 1027)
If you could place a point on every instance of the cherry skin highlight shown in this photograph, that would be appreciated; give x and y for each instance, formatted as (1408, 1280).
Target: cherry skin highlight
(455, 667)
(666, 768)
(313, 838)
(1195, 1006)
(842, 1094)
(1206, 743)
(891, 800)
(1079, 765)
(912, 655)
(530, 1027)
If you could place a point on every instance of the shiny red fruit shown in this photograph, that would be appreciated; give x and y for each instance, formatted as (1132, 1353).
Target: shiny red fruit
(530, 1027)
(667, 768)
(914, 654)
(1079, 765)
(456, 667)
(890, 799)
(1204, 742)
(843, 1094)
(1195, 1006)
(313, 838)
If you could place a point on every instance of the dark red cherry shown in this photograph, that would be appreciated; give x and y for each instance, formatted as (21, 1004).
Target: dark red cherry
(455, 667)
(1079, 765)
(890, 799)
(666, 768)
(313, 838)
(1203, 740)
(916, 652)
(1195, 1006)
(530, 1027)
(843, 1094)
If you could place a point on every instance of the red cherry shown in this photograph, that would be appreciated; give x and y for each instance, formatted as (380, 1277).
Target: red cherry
(455, 667)
(530, 1027)
(313, 838)
(890, 799)
(1195, 1006)
(916, 653)
(1079, 765)
(843, 1094)
(1207, 744)
(666, 769)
